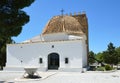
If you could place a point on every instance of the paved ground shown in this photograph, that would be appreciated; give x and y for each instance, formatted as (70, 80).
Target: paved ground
(62, 77)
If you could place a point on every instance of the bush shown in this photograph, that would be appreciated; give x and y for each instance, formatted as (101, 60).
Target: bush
(100, 69)
(92, 68)
(108, 67)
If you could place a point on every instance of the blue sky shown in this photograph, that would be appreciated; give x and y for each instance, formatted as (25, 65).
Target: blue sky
(103, 19)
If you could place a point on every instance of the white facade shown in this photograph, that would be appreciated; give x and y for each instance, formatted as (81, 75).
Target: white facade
(71, 52)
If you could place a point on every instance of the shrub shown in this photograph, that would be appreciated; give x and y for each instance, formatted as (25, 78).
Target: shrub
(108, 67)
(100, 69)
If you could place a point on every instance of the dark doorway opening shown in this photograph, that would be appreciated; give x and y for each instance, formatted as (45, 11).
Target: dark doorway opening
(53, 61)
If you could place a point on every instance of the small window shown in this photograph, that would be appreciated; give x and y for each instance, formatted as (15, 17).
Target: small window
(66, 60)
(52, 46)
(40, 60)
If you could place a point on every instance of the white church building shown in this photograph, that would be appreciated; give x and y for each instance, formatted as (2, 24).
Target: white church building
(63, 46)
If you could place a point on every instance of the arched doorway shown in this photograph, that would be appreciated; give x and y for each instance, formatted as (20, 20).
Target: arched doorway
(53, 61)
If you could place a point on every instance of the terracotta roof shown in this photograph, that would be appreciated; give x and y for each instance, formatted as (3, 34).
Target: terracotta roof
(68, 24)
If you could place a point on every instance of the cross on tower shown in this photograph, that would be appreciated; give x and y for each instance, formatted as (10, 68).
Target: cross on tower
(62, 12)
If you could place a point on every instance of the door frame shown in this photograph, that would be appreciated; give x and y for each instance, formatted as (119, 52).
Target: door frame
(53, 61)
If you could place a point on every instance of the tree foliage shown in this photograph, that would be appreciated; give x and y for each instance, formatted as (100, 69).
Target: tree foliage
(12, 18)
(99, 56)
(3, 50)
(91, 59)
(118, 53)
(110, 55)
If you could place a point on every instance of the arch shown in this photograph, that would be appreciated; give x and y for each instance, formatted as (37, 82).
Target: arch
(53, 61)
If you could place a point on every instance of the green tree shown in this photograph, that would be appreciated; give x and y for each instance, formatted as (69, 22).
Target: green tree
(3, 51)
(99, 56)
(110, 56)
(91, 59)
(118, 52)
(12, 18)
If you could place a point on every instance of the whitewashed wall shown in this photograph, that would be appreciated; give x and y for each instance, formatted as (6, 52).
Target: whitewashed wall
(55, 36)
(84, 58)
(30, 53)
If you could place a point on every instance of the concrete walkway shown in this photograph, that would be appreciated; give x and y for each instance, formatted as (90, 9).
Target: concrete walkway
(62, 77)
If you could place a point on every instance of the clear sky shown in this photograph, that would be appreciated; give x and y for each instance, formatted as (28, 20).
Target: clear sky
(103, 19)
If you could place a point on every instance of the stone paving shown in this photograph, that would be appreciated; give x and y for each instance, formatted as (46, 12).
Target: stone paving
(62, 77)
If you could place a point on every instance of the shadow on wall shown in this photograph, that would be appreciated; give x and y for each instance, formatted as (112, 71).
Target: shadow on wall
(2, 81)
